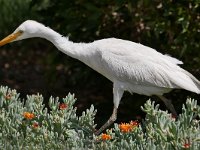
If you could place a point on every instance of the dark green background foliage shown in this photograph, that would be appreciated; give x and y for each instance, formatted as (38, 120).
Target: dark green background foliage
(36, 66)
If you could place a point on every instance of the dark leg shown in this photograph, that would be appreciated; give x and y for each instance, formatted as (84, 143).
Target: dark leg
(110, 121)
(168, 104)
(117, 95)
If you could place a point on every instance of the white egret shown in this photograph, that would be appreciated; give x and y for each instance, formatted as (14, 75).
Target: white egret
(130, 66)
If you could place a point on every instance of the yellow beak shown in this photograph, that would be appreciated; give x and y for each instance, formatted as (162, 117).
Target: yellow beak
(10, 38)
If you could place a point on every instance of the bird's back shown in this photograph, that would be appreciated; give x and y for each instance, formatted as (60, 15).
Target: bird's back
(137, 67)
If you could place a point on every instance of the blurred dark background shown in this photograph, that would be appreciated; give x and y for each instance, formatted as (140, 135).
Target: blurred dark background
(36, 66)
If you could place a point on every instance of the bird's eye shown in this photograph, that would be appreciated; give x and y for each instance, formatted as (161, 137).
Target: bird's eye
(20, 31)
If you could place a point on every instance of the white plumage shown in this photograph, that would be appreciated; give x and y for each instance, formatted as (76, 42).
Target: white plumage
(130, 66)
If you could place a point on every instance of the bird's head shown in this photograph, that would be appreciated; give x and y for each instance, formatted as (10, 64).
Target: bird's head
(27, 29)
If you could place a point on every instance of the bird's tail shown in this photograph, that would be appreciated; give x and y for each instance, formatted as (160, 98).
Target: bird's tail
(184, 80)
(195, 81)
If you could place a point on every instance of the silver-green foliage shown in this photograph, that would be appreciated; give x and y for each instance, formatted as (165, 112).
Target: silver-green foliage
(62, 129)
(58, 129)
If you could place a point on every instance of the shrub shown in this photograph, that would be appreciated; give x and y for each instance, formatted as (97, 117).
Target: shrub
(27, 124)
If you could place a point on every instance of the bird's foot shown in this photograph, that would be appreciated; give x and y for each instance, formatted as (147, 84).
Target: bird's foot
(110, 121)
(107, 124)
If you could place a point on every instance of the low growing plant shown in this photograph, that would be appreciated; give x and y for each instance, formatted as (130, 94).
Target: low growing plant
(28, 124)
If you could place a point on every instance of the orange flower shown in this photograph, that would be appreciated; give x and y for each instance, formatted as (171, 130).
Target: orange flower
(128, 127)
(186, 145)
(134, 123)
(8, 97)
(62, 106)
(105, 137)
(28, 115)
(35, 125)
(125, 127)
(173, 116)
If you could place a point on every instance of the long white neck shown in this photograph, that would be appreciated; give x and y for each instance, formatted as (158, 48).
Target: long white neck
(75, 50)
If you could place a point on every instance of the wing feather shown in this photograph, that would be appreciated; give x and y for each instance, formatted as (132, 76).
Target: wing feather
(148, 71)
(136, 70)
(137, 64)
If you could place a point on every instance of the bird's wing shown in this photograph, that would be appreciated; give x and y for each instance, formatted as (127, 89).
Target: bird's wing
(173, 60)
(137, 69)
(148, 70)
(137, 64)
(126, 48)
